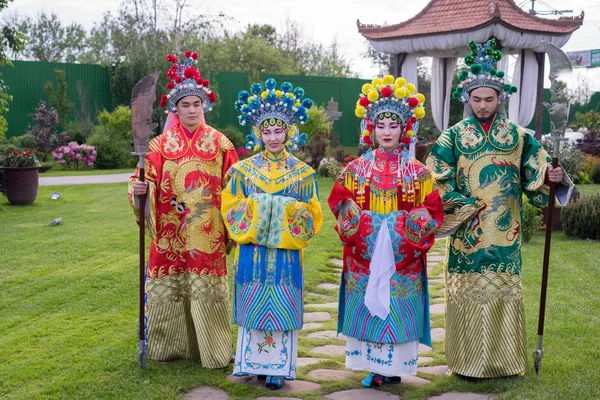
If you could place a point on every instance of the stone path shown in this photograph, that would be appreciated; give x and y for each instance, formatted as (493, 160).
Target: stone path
(314, 322)
(84, 180)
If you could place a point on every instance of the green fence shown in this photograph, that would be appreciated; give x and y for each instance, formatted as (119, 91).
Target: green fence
(344, 91)
(26, 82)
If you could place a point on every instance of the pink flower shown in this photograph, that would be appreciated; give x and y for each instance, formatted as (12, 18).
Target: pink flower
(243, 226)
(296, 230)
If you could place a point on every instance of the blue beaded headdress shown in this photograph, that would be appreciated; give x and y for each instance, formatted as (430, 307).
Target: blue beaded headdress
(185, 80)
(481, 72)
(262, 108)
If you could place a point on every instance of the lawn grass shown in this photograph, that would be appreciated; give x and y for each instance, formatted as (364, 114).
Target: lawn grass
(60, 171)
(68, 320)
(588, 189)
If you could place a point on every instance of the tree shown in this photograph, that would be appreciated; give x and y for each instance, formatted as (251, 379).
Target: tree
(50, 40)
(11, 41)
(58, 98)
(382, 60)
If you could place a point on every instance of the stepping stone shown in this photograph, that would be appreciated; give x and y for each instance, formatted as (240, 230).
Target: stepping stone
(437, 334)
(330, 374)
(414, 381)
(433, 253)
(317, 316)
(361, 394)
(324, 305)
(294, 386)
(326, 335)
(438, 370)
(438, 299)
(431, 264)
(462, 396)
(205, 392)
(323, 296)
(329, 286)
(336, 261)
(330, 350)
(424, 360)
(434, 309)
(311, 325)
(278, 398)
(435, 257)
(423, 348)
(304, 361)
(436, 281)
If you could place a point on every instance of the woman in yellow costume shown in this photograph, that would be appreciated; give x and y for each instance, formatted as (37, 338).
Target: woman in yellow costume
(271, 209)
(387, 213)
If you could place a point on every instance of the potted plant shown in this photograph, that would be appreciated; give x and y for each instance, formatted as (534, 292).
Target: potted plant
(21, 176)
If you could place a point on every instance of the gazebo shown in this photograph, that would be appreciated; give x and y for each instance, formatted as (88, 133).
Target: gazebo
(442, 30)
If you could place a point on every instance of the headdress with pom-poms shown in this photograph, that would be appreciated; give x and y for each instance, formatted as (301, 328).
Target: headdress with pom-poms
(389, 97)
(185, 80)
(481, 62)
(260, 108)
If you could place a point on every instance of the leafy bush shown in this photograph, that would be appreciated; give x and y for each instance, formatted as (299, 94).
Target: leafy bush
(339, 154)
(582, 219)
(3, 127)
(25, 141)
(77, 131)
(234, 134)
(317, 122)
(112, 150)
(595, 175)
(583, 178)
(590, 143)
(531, 221)
(112, 139)
(44, 129)
(331, 169)
(316, 146)
(570, 158)
(589, 120)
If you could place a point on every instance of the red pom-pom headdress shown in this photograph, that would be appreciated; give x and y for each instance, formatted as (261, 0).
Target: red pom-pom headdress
(185, 80)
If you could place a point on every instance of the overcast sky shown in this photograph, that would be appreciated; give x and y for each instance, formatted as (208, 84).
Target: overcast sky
(321, 20)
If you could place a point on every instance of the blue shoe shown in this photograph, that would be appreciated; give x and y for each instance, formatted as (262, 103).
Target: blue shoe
(373, 380)
(275, 382)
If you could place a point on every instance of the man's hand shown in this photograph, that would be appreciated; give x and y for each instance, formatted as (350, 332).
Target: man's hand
(140, 188)
(555, 175)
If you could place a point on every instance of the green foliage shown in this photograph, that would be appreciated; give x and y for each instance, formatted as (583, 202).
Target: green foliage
(582, 219)
(58, 98)
(331, 169)
(531, 221)
(24, 141)
(595, 175)
(26, 158)
(112, 139)
(588, 120)
(583, 178)
(76, 131)
(234, 134)
(118, 121)
(3, 126)
(570, 158)
(317, 122)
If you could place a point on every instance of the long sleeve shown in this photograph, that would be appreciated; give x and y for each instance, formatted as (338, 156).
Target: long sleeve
(151, 174)
(347, 213)
(247, 219)
(458, 206)
(294, 223)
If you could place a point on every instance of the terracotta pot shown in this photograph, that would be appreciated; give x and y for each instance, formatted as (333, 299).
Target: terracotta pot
(21, 184)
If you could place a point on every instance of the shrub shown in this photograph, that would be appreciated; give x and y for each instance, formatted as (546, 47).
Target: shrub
(118, 122)
(570, 158)
(315, 148)
(77, 131)
(112, 150)
(44, 129)
(595, 175)
(582, 219)
(331, 169)
(317, 122)
(22, 142)
(234, 134)
(339, 154)
(3, 127)
(75, 154)
(531, 221)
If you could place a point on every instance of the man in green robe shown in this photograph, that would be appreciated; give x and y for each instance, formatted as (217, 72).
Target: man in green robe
(483, 165)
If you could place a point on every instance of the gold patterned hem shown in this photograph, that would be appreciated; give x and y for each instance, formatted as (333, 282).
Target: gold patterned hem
(485, 325)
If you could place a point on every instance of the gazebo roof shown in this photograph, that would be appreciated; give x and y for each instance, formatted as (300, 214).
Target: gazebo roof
(454, 16)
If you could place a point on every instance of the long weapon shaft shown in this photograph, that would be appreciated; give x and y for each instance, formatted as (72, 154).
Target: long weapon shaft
(142, 294)
(538, 354)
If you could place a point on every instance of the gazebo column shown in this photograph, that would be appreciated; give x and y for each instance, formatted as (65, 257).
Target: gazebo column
(397, 61)
(539, 108)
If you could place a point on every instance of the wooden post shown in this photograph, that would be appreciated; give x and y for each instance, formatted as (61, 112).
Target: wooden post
(539, 99)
